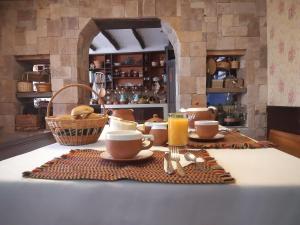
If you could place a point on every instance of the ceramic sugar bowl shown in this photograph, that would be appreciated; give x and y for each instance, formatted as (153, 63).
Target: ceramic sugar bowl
(195, 114)
(160, 133)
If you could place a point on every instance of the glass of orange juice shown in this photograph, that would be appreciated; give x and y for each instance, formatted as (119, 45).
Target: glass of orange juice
(177, 129)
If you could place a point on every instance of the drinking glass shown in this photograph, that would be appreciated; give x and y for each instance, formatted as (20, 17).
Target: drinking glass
(177, 129)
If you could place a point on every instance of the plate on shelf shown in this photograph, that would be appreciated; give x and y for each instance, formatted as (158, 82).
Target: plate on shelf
(195, 137)
(142, 155)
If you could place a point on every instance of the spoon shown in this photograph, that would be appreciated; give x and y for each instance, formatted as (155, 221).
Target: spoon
(191, 157)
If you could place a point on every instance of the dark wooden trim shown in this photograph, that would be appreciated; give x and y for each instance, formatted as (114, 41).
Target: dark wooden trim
(139, 38)
(109, 24)
(23, 145)
(111, 39)
(236, 52)
(34, 94)
(282, 118)
(93, 47)
(34, 59)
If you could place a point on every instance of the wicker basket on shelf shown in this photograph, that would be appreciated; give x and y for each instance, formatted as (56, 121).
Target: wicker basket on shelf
(24, 85)
(75, 131)
(43, 87)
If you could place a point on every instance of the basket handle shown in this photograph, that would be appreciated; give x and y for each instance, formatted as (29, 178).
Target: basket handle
(67, 86)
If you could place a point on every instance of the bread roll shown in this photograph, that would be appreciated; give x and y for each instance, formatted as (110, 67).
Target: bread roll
(93, 115)
(81, 111)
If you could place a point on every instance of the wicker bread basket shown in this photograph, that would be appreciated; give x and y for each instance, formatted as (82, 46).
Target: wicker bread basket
(75, 131)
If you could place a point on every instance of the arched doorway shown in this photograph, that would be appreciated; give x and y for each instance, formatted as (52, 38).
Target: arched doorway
(94, 26)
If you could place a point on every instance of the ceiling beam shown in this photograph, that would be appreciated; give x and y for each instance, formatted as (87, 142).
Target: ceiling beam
(110, 24)
(138, 38)
(93, 47)
(111, 39)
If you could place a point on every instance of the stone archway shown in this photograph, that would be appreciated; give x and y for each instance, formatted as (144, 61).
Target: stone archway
(90, 30)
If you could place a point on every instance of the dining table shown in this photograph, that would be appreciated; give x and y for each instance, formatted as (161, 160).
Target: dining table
(266, 191)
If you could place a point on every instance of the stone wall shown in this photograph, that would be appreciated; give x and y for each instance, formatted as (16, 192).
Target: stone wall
(284, 50)
(64, 29)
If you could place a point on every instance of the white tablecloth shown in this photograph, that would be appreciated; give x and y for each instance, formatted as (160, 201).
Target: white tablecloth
(266, 192)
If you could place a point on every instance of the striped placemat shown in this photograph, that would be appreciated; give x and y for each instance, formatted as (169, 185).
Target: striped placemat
(88, 165)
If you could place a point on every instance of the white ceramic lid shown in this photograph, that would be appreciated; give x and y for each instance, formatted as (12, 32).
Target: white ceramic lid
(206, 122)
(150, 124)
(159, 126)
(123, 135)
(194, 110)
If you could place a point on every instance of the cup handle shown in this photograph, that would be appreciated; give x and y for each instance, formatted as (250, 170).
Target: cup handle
(147, 138)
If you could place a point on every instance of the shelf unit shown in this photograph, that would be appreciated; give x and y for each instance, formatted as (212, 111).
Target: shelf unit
(232, 92)
(34, 94)
(139, 62)
(27, 98)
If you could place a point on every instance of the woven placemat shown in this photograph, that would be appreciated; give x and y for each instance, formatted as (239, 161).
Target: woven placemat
(233, 140)
(88, 165)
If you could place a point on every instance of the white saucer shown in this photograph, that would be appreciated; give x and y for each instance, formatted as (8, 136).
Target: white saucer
(194, 136)
(142, 155)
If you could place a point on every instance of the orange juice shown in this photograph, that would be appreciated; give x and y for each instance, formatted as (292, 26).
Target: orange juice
(177, 130)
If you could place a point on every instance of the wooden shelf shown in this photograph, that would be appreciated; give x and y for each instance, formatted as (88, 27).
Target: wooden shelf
(128, 78)
(226, 90)
(34, 94)
(128, 66)
(236, 52)
(34, 59)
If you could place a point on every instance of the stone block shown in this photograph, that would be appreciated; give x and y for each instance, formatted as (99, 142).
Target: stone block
(198, 66)
(190, 36)
(55, 11)
(191, 13)
(224, 8)
(198, 48)
(198, 4)
(166, 8)
(198, 100)
(56, 84)
(201, 85)
(184, 100)
(263, 93)
(10, 108)
(54, 28)
(31, 37)
(210, 19)
(41, 27)
(148, 7)
(212, 27)
(131, 8)
(210, 8)
(211, 41)
(235, 31)
(241, 42)
(70, 23)
(85, 3)
(184, 66)
(43, 13)
(53, 45)
(8, 123)
(227, 20)
(118, 11)
(20, 36)
(26, 15)
(191, 24)
(253, 28)
(43, 45)
(243, 8)
(185, 49)
(225, 43)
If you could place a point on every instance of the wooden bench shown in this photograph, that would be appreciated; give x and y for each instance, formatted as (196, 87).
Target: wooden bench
(287, 142)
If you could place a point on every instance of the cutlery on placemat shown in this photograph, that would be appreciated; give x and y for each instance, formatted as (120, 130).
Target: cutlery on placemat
(175, 156)
(169, 169)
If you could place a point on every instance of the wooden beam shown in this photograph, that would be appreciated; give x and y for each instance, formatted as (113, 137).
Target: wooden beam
(110, 24)
(138, 38)
(111, 39)
(236, 52)
(93, 47)
(34, 59)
